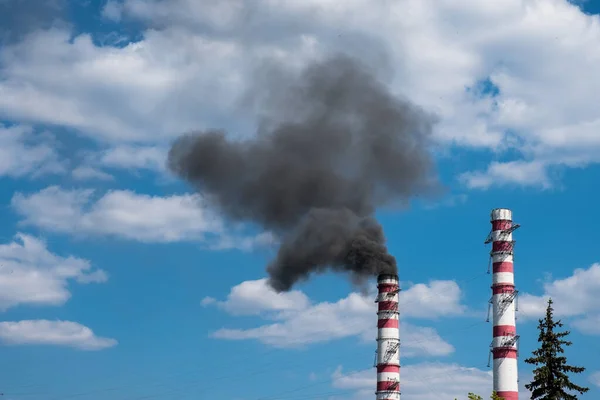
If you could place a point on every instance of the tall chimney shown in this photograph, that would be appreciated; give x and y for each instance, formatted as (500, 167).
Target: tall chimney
(505, 338)
(388, 338)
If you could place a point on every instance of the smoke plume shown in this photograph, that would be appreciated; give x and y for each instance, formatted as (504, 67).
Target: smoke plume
(332, 145)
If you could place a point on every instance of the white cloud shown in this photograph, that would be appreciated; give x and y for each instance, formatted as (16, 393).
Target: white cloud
(30, 274)
(207, 301)
(50, 79)
(118, 213)
(589, 324)
(245, 243)
(255, 297)
(299, 322)
(419, 341)
(438, 48)
(574, 297)
(317, 323)
(595, 378)
(443, 48)
(427, 381)
(129, 157)
(84, 172)
(330, 323)
(128, 215)
(515, 172)
(424, 381)
(436, 299)
(57, 333)
(135, 157)
(223, 14)
(112, 10)
(23, 152)
(432, 300)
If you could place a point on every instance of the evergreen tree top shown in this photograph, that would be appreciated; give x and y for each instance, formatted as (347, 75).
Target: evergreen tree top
(550, 380)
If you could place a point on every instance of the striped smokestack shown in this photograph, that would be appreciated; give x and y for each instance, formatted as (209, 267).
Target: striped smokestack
(388, 338)
(504, 343)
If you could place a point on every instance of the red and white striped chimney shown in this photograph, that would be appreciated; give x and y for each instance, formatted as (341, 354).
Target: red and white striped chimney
(504, 343)
(388, 338)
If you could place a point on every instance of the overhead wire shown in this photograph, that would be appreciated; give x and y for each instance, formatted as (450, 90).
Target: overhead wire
(316, 332)
(264, 353)
(276, 395)
(361, 371)
(276, 349)
(272, 350)
(433, 293)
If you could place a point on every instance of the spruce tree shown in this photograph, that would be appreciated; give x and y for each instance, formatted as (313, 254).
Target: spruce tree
(550, 379)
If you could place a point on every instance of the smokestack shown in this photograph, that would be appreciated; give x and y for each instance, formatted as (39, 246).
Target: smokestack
(504, 296)
(388, 338)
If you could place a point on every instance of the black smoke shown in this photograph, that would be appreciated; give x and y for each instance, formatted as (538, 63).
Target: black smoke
(332, 145)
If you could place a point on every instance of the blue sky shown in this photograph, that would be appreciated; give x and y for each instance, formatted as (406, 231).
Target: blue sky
(115, 280)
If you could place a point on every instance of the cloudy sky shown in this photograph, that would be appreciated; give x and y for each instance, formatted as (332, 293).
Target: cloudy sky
(117, 280)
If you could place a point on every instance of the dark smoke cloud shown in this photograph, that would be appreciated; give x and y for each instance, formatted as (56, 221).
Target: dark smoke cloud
(21, 17)
(333, 144)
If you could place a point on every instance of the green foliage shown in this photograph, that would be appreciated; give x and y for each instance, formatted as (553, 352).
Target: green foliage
(472, 396)
(550, 379)
(496, 397)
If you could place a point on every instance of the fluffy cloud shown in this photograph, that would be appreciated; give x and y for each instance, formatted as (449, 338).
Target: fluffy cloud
(58, 333)
(84, 173)
(589, 324)
(436, 299)
(112, 10)
(425, 381)
(128, 215)
(595, 378)
(575, 297)
(299, 322)
(24, 152)
(255, 297)
(194, 61)
(162, 86)
(317, 325)
(30, 274)
(117, 213)
(515, 172)
(135, 157)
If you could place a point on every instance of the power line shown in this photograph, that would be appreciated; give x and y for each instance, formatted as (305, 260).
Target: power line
(240, 361)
